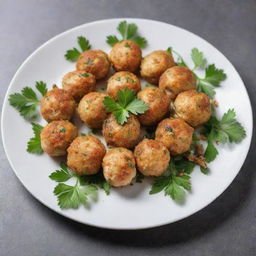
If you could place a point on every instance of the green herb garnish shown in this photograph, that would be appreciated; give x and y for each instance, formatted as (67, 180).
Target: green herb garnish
(127, 103)
(73, 54)
(213, 76)
(175, 181)
(34, 144)
(227, 129)
(170, 130)
(85, 75)
(128, 79)
(85, 187)
(131, 165)
(27, 101)
(128, 32)
(198, 58)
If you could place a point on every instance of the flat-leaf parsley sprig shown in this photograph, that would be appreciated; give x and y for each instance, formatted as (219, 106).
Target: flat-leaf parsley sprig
(176, 180)
(27, 101)
(85, 187)
(128, 32)
(213, 76)
(34, 144)
(127, 103)
(73, 54)
(227, 129)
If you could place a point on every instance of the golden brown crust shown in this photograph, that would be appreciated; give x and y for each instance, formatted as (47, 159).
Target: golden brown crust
(193, 107)
(125, 56)
(200, 160)
(57, 136)
(175, 134)
(78, 83)
(152, 157)
(177, 79)
(122, 80)
(85, 155)
(154, 64)
(57, 104)
(95, 62)
(91, 109)
(126, 135)
(158, 105)
(119, 166)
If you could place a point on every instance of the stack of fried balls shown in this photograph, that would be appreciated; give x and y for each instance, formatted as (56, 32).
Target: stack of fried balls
(128, 151)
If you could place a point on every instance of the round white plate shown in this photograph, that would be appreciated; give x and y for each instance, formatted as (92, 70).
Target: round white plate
(131, 207)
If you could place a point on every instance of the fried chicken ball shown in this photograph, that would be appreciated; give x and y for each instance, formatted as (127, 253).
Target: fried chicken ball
(154, 64)
(177, 79)
(85, 155)
(95, 62)
(125, 56)
(122, 80)
(57, 136)
(78, 83)
(152, 157)
(193, 107)
(158, 103)
(175, 134)
(126, 135)
(57, 104)
(92, 110)
(119, 166)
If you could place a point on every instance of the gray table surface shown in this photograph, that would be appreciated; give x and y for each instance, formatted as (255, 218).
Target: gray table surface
(226, 227)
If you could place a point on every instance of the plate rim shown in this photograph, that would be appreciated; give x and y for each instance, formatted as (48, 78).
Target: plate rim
(58, 211)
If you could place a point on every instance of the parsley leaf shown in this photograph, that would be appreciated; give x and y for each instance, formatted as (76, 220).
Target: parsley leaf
(208, 90)
(174, 191)
(128, 31)
(214, 76)
(127, 103)
(61, 175)
(198, 58)
(34, 144)
(112, 40)
(160, 183)
(140, 41)
(97, 180)
(184, 166)
(83, 43)
(211, 152)
(179, 61)
(227, 129)
(125, 97)
(73, 196)
(204, 170)
(137, 106)
(26, 102)
(173, 182)
(41, 87)
(29, 94)
(73, 54)
(230, 126)
(183, 181)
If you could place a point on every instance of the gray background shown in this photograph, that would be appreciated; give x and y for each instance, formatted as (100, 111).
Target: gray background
(226, 227)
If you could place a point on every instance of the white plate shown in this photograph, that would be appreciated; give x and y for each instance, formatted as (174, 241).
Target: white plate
(130, 207)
